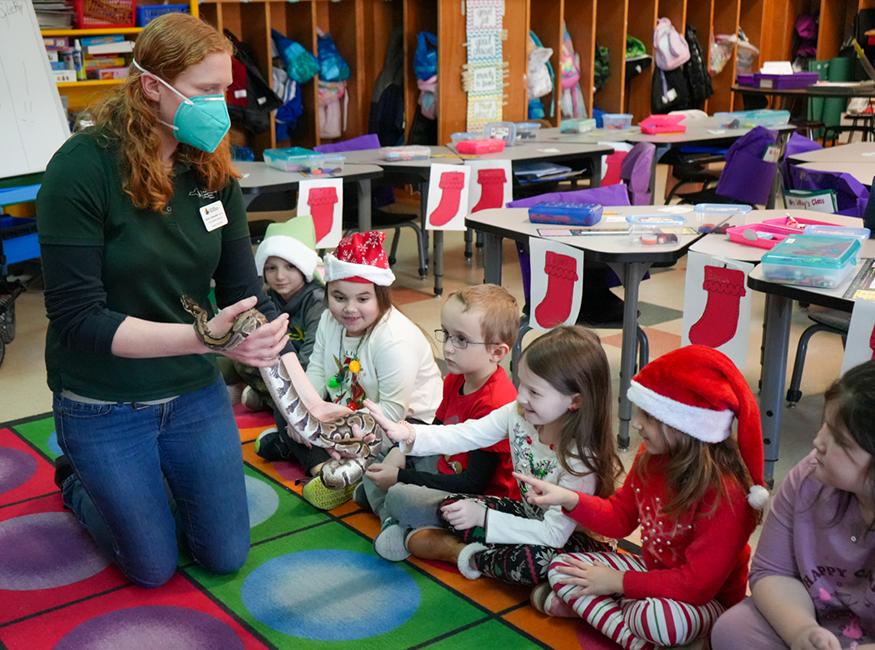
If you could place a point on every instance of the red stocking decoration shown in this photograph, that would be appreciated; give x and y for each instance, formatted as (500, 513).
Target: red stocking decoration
(452, 184)
(491, 183)
(719, 323)
(321, 201)
(872, 342)
(556, 305)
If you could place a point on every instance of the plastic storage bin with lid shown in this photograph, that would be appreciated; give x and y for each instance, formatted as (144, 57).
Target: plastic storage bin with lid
(291, 159)
(527, 131)
(326, 163)
(577, 126)
(716, 213)
(407, 152)
(653, 229)
(505, 131)
(461, 136)
(617, 121)
(569, 214)
(811, 261)
(765, 117)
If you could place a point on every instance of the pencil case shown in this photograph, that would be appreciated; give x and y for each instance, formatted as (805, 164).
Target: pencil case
(569, 214)
(478, 147)
(408, 152)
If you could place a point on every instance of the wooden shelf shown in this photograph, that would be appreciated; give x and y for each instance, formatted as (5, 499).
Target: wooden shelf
(89, 83)
(102, 31)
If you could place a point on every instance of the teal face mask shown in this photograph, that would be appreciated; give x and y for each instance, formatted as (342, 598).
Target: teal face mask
(200, 121)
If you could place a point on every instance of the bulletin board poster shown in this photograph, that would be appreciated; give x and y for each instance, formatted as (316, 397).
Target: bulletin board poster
(34, 124)
(323, 200)
(485, 69)
(557, 283)
(447, 204)
(860, 346)
(717, 305)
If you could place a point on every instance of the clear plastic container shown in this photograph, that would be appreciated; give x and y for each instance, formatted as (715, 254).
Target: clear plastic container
(656, 229)
(326, 163)
(765, 117)
(717, 213)
(811, 261)
(462, 136)
(291, 159)
(729, 120)
(570, 214)
(577, 126)
(837, 231)
(617, 121)
(501, 131)
(408, 152)
(527, 131)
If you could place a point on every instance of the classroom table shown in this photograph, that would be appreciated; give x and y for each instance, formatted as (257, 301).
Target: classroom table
(419, 172)
(856, 152)
(778, 314)
(258, 179)
(630, 260)
(817, 90)
(863, 172)
(705, 132)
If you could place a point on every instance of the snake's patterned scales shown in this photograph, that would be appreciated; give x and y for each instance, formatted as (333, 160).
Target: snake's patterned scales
(337, 434)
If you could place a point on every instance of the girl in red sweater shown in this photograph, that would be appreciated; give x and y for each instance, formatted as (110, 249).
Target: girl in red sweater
(695, 491)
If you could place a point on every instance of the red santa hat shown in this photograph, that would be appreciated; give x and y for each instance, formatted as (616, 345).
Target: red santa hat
(360, 258)
(699, 391)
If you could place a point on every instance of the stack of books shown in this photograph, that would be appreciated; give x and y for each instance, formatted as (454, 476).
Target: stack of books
(53, 14)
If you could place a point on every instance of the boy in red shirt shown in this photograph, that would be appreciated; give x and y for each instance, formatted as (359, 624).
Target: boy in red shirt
(479, 326)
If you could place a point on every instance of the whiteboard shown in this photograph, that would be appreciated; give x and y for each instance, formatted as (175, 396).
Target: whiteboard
(33, 124)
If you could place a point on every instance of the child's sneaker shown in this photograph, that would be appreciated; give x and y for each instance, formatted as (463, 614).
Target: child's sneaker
(319, 496)
(251, 399)
(389, 544)
(270, 446)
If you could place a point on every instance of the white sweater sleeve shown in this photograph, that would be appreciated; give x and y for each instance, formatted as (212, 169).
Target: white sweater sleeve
(553, 531)
(320, 358)
(456, 438)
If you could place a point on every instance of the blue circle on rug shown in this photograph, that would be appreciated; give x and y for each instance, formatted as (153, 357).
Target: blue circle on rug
(46, 550)
(150, 627)
(331, 595)
(52, 444)
(262, 500)
(16, 468)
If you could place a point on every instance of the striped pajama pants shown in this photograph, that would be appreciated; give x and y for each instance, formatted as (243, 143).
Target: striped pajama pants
(635, 624)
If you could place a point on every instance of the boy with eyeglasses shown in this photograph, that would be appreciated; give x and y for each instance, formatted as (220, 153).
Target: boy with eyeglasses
(479, 326)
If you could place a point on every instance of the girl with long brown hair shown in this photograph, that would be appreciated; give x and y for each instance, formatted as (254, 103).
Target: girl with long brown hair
(694, 489)
(134, 213)
(559, 430)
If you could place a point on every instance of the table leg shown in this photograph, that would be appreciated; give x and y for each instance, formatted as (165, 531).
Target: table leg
(438, 236)
(469, 243)
(632, 273)
(776, 343)
(596, 180)
(364, 205)
(492, 258)
(423, 212)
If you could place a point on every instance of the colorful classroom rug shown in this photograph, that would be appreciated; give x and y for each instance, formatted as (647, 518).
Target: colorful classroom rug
(312, 579)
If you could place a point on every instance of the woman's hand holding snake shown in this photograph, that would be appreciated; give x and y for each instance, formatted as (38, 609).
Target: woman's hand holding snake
(398, 431)
(259, 349)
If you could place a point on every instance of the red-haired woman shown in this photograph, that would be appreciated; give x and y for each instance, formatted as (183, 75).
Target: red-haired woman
(134, 213)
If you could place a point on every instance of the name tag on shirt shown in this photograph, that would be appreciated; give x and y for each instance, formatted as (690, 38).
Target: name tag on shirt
(214, 216)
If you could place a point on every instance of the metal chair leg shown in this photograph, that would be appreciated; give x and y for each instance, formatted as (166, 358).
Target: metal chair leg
(793, 392)
(643, 349)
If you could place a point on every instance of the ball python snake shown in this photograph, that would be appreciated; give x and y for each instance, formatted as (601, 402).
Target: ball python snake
(337, 434)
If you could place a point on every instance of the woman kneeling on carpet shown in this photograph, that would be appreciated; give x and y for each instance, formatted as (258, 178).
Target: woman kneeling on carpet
(133, 214)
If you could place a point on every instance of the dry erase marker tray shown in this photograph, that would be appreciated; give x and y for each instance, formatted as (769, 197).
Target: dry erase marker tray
(806, 260)
(570, 214)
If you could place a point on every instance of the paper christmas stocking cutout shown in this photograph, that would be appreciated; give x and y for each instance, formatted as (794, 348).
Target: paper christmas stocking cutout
(719, 322)
(491, 183)
(452, 184)
(322, 201)
(872, 342)
(556, 305)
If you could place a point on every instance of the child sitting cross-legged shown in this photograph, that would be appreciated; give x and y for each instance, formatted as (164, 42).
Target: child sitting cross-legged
(287, 260)
(694, 489)
(558, 429)
(479, 325)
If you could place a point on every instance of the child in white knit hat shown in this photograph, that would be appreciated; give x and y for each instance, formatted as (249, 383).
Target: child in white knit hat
(287, 260)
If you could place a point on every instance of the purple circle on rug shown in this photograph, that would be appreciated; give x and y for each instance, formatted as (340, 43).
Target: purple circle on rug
(46, 550)
(151, 627)
(16, 468)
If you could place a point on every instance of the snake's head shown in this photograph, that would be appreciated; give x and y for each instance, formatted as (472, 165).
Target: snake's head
(191, 306)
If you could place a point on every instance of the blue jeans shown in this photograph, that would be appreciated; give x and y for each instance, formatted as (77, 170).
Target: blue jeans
(127, 456)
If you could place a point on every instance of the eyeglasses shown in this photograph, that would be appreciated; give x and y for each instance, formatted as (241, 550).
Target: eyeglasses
(459, 342)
